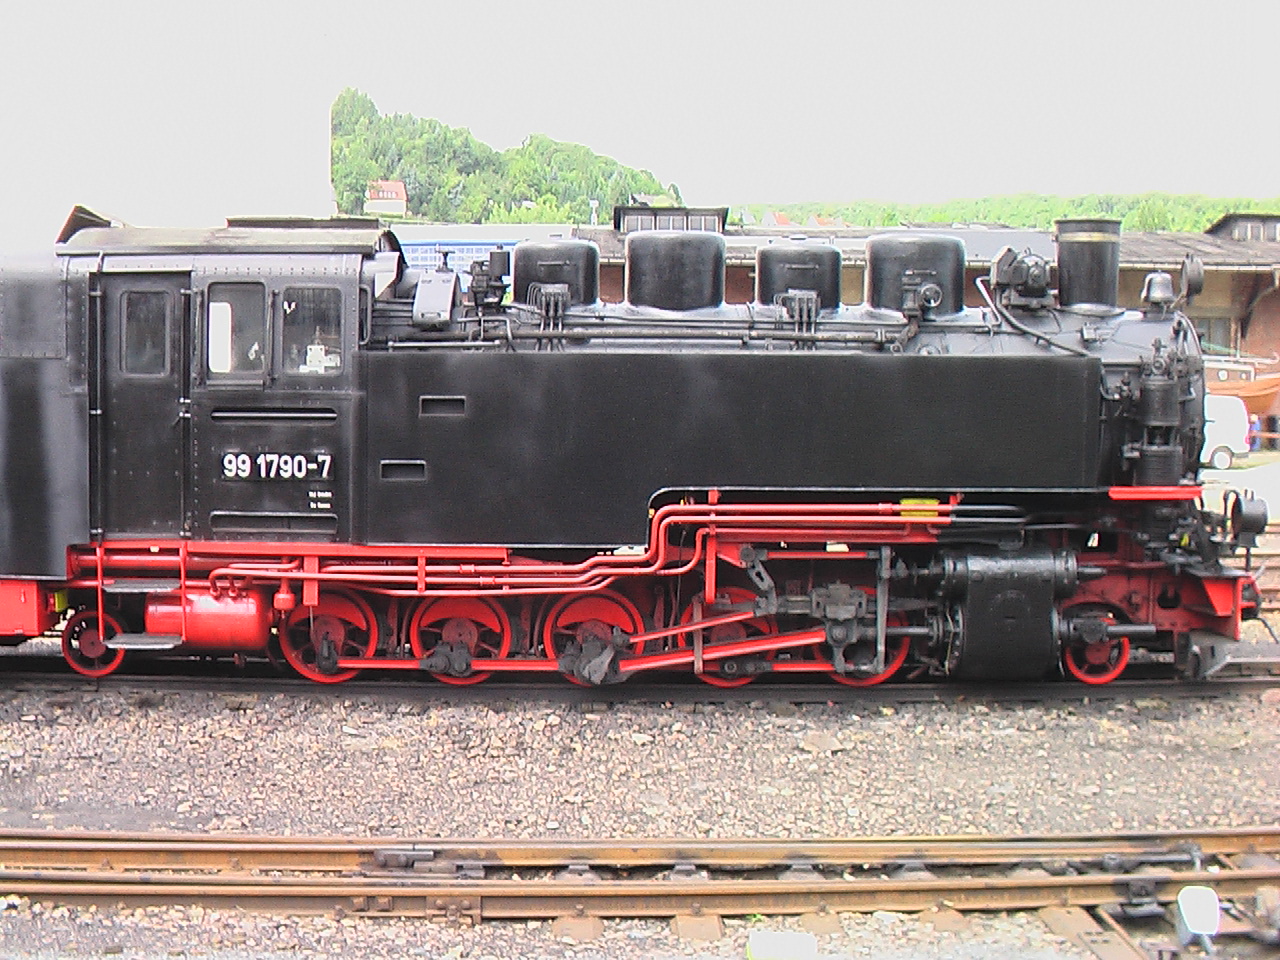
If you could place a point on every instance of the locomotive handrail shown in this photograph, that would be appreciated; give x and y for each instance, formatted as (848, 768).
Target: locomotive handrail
(463, 339)
(735, 522)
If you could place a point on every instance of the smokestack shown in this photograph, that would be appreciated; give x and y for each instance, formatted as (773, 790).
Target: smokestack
(1088, 262)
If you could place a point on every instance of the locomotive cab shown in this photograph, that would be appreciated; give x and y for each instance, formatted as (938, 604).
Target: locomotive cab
(238, 359)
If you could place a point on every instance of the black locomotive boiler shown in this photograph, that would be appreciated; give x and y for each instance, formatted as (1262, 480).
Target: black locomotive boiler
(275, 439)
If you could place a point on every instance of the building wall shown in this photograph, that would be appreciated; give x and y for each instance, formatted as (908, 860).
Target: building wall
(611, 282)
(395, 208)
(1263, 336)
(739, 284)
(853, 279)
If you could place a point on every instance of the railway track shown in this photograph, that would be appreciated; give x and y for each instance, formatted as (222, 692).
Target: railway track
(54, 680)
(694, 881)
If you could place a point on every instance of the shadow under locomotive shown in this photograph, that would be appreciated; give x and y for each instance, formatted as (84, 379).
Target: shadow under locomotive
(275, 436)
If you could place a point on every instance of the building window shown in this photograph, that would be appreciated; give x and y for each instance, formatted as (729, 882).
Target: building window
(237, 328)
(312, 320)
(1217, 331)
(673, 218)
(145, 331)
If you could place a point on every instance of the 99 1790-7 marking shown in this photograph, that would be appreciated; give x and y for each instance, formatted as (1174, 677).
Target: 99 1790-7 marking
(276, 466)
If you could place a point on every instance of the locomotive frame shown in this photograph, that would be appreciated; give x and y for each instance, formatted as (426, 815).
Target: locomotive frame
(273, 438)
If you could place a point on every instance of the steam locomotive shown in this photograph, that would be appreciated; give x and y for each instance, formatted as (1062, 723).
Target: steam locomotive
(275, 439)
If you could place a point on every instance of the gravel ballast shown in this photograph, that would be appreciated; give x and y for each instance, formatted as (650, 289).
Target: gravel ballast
(324, 763)
(192, 932)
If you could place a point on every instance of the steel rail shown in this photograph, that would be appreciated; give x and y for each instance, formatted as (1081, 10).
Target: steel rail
(87, 850)
(48, 673)
(474, 880)
(519, 899)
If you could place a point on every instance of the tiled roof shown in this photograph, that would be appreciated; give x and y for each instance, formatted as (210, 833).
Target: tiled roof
(1224, 224)
(387, 190)
(1168, 249)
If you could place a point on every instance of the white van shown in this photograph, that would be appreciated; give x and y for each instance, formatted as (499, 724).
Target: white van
(1226, 431)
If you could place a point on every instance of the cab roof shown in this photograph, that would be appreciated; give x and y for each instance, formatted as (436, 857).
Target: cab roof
(85, 232)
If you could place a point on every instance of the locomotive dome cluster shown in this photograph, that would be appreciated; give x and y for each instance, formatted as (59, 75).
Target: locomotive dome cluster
(275, 439)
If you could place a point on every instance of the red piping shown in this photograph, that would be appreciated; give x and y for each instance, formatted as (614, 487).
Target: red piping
(800, 523)
(1155, 493)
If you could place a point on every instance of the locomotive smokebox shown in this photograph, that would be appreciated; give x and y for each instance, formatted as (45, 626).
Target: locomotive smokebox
(675, 271)
(1088, 262)
(922, 274)
(798, 266)
(573, 262)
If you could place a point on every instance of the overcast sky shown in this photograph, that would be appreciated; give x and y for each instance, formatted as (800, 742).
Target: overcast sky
(170, 113)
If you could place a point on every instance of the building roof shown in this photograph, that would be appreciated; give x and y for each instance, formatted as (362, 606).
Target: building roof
(387, 190)
(1225, 222)
(1165, 250)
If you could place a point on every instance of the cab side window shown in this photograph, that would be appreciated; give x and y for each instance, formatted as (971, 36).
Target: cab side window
(145, 332)
(312, 319)
(237, 329)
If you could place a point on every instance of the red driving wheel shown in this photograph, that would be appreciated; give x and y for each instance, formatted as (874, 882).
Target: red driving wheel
(591, 616)
(478, 624)
(342, 619)
(895, 649)
(727, 632)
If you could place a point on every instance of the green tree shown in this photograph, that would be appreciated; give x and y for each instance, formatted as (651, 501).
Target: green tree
(450, 176)
(1153, 212)
(1148, 211)
(352, 167)
(352, 112)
